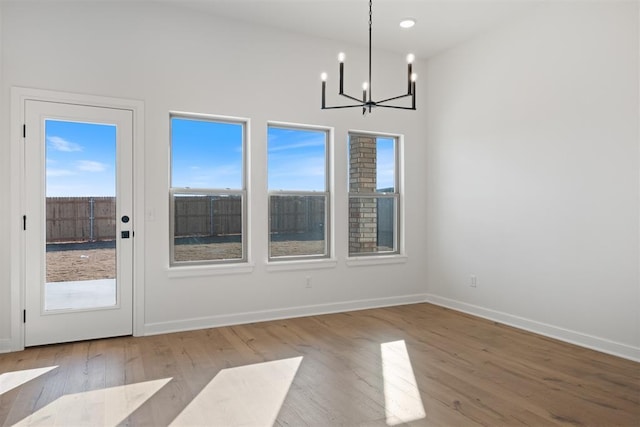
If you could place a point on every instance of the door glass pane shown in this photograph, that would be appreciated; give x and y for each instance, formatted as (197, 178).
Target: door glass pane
(80, 165)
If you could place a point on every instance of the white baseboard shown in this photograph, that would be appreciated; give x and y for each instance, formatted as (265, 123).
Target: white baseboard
(5, 345)
(566, 335)
(285, 313)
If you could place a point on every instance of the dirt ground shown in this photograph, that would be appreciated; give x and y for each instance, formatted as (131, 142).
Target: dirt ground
(87, 264)
(92, 264)
(199, 252)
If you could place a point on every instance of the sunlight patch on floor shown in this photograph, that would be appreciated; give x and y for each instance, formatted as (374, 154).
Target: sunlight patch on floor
(104, 407)
(245, 395)
(11, 380)
(401, 394)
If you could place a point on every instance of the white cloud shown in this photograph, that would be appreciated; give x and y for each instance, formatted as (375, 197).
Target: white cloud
(59, 172)
(91, 166)
(223, 176)
(302, 144)
(61, 144)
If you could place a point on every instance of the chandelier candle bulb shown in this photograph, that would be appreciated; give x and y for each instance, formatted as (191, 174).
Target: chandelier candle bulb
(410, 58)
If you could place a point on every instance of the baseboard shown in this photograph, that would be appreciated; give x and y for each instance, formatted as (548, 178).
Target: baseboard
(5, 345)
(277, 314)
(589, 341)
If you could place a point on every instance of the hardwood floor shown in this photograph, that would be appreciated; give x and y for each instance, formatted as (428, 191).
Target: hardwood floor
(417, 364)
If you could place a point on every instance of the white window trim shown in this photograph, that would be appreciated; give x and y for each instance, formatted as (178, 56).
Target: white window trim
(208, 267)
(297, 262)
(182, 271)
(400, 255)
(363, 261)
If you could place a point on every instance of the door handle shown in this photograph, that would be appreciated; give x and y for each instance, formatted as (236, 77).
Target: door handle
(124, 234)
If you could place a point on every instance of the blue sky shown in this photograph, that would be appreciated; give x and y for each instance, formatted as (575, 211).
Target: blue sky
(80, 159)
(385, 176)
(206, 154)
(297, 159)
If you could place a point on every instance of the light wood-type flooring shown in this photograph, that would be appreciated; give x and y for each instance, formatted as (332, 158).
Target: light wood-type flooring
(416, 364)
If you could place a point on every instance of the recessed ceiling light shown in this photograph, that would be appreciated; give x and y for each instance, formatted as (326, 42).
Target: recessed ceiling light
(407, 23)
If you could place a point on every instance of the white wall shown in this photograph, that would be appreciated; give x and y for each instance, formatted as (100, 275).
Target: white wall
(532, 159)
(176, 59)
(4, 211)
(532, 181)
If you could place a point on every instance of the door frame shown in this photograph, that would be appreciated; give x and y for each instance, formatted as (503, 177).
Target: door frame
(19, 96)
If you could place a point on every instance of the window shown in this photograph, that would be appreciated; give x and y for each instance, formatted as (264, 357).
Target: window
(298, 192)
(374, 197)
(208, 194)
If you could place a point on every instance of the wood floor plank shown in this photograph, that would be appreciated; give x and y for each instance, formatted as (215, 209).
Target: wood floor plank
(454, 368)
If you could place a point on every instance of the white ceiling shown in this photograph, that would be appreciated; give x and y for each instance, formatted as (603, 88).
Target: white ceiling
(441, 24)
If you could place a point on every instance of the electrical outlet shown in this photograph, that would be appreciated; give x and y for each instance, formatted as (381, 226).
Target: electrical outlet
(308, 282)
(473, 281)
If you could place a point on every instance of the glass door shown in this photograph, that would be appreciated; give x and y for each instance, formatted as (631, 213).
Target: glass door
(79, 231)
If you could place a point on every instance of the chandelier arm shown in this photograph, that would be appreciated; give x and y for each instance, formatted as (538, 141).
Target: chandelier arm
(397, 107)
(351, 97)
(395, 97)
(343, 106)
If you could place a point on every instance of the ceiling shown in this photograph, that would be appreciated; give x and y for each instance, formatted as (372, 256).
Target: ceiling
(441, 24)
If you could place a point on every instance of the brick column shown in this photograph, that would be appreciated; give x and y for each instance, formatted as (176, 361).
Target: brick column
(363, 215)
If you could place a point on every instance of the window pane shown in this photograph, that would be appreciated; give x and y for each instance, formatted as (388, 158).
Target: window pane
(372, 225)
(297, 159)
(80, 210)
(373, 168)
(385, 165)
(206, 154)
(297, 225)
(207, 227)
(385, 224)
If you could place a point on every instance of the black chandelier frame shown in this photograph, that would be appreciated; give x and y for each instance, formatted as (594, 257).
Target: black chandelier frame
(367, 103)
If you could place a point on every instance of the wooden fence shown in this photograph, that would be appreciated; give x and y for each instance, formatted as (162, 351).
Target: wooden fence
(297, 214)
(219, 216)
(88, 219)
(207, 215)
(80, 219)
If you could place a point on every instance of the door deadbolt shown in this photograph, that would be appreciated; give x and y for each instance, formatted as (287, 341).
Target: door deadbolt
(125, 219)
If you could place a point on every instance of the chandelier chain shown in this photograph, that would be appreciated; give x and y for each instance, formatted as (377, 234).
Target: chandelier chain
(370, 25)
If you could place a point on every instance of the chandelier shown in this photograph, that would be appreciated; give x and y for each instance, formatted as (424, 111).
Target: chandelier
(367, 103)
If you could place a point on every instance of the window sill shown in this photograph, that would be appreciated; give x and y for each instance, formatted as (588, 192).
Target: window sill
(376, 260)
(208, 270)
(308, 264)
